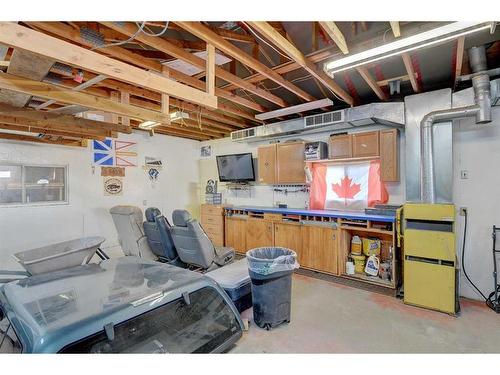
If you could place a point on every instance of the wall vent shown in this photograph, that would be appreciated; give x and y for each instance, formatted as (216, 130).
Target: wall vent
(323, 119)
(240, 135)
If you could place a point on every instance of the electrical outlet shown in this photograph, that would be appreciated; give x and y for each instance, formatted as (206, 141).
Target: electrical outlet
(463, 211)
(144, 203)
(464, 174)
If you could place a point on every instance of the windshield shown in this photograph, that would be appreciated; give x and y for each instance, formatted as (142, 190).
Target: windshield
(201, 326)
(9, 342)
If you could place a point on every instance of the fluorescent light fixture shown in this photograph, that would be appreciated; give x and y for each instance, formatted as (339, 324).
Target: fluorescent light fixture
(426, 39)
(295, 109)
(174, 116)
(148, 124)
(4, 174)
(178, 115)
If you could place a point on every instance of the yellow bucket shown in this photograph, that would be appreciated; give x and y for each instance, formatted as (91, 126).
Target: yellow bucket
(359, 263)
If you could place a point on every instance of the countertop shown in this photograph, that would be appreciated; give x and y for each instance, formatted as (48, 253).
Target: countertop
(354, 215)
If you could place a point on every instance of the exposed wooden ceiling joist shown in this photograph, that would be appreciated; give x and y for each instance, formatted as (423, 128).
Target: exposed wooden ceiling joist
(59, 94)
(24, 38)
(459, 58)
(22, 126)
(28, 65)
(27, 138)
(206, 34)
(289, 66)
(335, 34)
(179, 53)
(411, 72)
(363, 71)
(289, 48)
(49, 119)
(396, 30)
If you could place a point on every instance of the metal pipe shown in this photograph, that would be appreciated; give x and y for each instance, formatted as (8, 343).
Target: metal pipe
(427, 183)
(481, 110)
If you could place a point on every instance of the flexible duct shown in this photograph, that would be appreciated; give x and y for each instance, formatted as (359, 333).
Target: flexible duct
(481, 110)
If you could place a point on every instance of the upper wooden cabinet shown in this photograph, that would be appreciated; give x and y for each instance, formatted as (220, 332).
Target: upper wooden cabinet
(365, 144)
(290, 163)
(281, 163)
(266, 161)
(381, 143)
(389, 160)
(340, 146)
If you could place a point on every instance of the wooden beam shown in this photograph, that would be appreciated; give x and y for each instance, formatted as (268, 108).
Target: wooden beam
(459, 58)
(49, 119)
(223, 45)
(226, 34)
(27, 138)
(411, 72)
(165, 99)
(385, 82)
(289, 66)
(24, 38)
(28, 65)
(363, 71)
(139, 93)
(61, 133)
(286, 46)
(396, 30)
(335, 34)
(179, 53)
(59, 94)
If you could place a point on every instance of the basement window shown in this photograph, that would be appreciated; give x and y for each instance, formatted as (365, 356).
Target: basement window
(33, 184)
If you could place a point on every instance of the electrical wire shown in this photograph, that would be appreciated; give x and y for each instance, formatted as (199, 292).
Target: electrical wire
(163, 31)
(140, 29)
(132, 37)
(263, 40)
(463, 258)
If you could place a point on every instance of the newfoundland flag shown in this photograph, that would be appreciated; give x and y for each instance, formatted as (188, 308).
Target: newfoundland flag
(353, 186)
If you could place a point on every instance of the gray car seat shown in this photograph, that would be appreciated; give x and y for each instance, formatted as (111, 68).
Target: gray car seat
(128, 222)
(157, 230)
(193, 245)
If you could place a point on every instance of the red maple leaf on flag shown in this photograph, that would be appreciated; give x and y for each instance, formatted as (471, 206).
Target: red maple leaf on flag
(346, 189)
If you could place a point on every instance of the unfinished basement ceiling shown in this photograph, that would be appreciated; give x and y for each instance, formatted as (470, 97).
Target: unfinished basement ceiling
(242, 92)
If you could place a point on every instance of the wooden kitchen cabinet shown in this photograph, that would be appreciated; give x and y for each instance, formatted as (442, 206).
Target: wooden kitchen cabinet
(389, 155)
(266, 161)
(290, 163)
(236, 233)
(365, 144)
(288, 235)
(259, 233)
(319, 249)
(340, 146)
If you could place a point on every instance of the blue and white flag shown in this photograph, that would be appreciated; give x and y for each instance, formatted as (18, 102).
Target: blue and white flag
(104, 153)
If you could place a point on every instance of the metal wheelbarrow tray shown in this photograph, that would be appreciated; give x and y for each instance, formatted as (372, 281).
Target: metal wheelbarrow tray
(59, 255)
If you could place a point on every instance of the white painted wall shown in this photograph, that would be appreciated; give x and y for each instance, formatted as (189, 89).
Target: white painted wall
(25, 227)
(476, 148)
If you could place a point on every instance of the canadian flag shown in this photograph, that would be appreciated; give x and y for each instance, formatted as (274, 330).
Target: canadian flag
(351, 186)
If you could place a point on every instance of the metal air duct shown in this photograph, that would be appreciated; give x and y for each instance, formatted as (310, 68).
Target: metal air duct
(481, 110)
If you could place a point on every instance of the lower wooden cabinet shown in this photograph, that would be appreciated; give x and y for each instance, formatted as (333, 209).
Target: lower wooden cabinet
(236, 232)
(259, 233)
(319, 248)
(315, 245)
(288, 235)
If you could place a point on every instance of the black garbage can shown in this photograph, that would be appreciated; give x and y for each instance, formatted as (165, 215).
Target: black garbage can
(271, 270)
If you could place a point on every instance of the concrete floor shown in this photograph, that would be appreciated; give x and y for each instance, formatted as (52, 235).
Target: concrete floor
(332, 318)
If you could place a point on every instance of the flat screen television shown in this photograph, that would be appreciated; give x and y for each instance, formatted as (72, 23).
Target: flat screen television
(235, 168)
